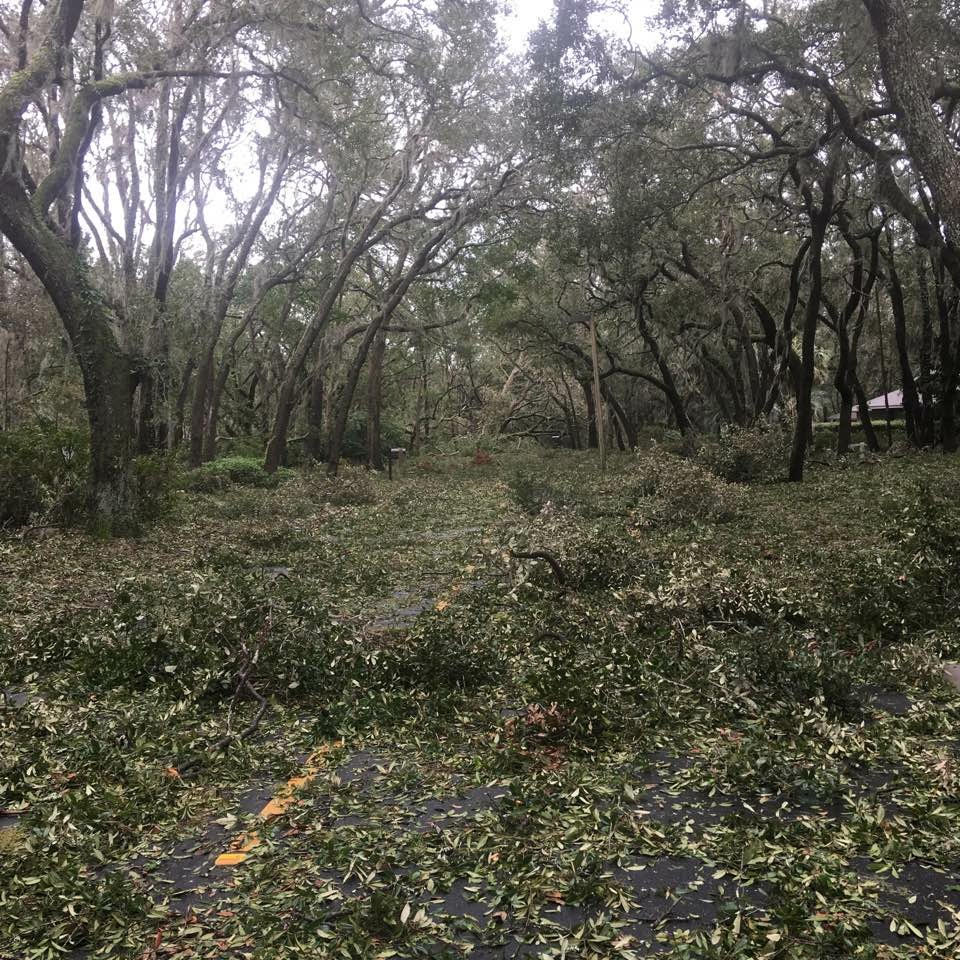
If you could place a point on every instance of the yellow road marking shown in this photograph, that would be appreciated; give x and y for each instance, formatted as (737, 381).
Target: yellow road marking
(285, 797)
(445, 599)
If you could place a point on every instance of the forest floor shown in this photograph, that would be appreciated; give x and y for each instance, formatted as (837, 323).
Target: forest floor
(726, 733)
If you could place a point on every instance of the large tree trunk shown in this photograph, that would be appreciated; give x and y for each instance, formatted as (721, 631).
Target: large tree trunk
(108, 373)
(752, 364)
(180, 412)
(845, 388)
(948, 302)
(866, 420)
(856, 306)
(153, 427)
(108, 383)
(213, 414)
(573, 427)
(907, 77)
(666, 375)
(804, 425)
(201, 396)
(926, 351)
(819, 221)
(375, 401)
(911, 396)
(313, 445)
(108, 380)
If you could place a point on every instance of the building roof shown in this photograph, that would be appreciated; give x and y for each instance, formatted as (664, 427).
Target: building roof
(893, 400)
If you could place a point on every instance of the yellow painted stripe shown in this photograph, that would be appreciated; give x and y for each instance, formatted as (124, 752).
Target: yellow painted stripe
(286, 796)
(445, 599)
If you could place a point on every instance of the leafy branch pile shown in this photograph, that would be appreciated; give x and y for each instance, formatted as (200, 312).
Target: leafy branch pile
(695, 741)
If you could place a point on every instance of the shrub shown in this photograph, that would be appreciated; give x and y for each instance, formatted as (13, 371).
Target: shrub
(671, 488)
(606, 558)
(43, 474)
(446, 653)
(241, 471)
(154, 478)
(747, 454)
(575, 689)
(248, 447)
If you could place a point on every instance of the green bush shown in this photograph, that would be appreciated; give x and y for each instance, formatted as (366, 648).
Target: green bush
(240, 471)
(747, 454)
(252, 448)
(155, 477)
(43, 475)
(577, 689)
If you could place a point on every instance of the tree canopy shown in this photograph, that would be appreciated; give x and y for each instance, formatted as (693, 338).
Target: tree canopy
(318, 231)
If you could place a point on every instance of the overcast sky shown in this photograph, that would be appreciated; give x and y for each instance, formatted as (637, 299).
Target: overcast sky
(528, 13)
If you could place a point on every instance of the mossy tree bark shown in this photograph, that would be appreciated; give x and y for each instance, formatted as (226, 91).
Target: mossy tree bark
(39, 218)
(109, 374)
(907, 78)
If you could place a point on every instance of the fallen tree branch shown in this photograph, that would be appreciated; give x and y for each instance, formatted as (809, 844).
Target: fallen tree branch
(549, 558)
(229, 738)
(243, 683)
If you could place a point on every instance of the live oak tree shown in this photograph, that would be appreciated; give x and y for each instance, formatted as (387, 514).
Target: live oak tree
(311, 232)
(63, 72)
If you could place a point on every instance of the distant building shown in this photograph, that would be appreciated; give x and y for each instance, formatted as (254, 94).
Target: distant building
(879, 406)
